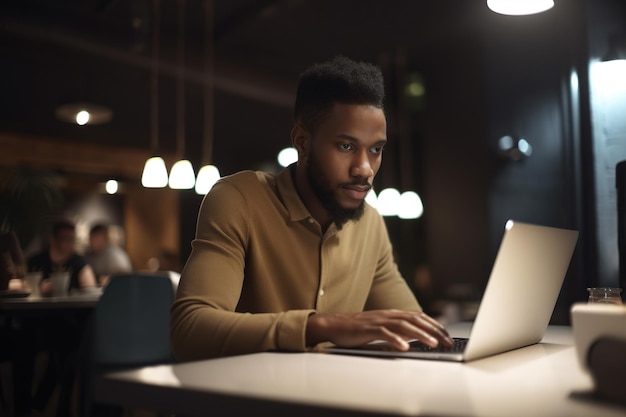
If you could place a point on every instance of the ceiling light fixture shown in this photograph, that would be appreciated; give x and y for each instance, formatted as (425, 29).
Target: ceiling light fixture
(519, 7)
(83, 113)
(287, 156)
(111, 186)
(390, 202)
(411, 206)
(182, 176)
(154, 171)
(207, 177)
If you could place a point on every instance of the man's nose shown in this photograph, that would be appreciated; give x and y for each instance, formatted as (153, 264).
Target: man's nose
(362, 166)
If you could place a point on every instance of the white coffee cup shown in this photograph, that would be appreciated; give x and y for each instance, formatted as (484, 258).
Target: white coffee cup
(33, 279)
(60, 282)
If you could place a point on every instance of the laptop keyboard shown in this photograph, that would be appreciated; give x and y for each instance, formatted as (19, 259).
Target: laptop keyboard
(458, 346)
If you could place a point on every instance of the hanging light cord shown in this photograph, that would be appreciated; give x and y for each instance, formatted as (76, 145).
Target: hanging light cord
(154, 111)
(207, 154)
(180, 90)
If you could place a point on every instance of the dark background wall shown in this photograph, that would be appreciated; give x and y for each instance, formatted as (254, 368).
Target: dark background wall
(529, 78)
(485, 76)
(529, 64)
(607, 128)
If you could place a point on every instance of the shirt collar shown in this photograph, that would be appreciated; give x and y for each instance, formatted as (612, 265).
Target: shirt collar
(288, 193)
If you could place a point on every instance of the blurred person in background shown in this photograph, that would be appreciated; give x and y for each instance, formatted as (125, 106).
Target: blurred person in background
(104, 256)
(61, 255)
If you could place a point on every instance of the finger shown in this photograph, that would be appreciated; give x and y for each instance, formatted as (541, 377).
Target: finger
(433, 329)
(394, 339)
(432, 321)
(410, 327)
(426, 338)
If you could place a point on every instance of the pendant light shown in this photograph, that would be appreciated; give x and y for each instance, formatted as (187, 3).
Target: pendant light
(182, 176)
(519, 7)
(154, 171)
(83, 113)
(208, 174)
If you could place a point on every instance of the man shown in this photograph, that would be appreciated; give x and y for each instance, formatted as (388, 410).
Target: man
(104, 257)
(291, 261)
(61, 256)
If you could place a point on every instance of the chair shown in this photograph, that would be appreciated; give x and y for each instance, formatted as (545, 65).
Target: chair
(131, 323)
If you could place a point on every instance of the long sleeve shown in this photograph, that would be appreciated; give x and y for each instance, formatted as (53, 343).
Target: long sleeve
(260, 265)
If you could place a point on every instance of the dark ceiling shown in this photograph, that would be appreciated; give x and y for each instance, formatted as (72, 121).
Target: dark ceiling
(100, 51)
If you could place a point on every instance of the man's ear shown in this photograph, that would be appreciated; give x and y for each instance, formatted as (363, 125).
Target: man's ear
(300, 139)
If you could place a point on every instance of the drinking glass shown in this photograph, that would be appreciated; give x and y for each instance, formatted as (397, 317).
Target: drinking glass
(606, 295)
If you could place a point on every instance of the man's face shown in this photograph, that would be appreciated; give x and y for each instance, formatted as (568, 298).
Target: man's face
(344, 155)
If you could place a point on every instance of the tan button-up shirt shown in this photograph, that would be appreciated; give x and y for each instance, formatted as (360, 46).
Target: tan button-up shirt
(260, 265)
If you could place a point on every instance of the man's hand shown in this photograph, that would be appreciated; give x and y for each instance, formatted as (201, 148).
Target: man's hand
(393, 326)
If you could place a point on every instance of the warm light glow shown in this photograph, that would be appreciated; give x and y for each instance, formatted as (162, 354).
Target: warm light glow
(207, 177)
(371, 199)
(83, 113)
(182, 176)
(111, 186)
(287, 156)
(519, 7)
(82, 117)
(411, 206)
(388, 202)
(154, 173)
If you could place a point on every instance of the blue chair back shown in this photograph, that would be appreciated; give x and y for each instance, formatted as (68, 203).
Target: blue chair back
(131, 321)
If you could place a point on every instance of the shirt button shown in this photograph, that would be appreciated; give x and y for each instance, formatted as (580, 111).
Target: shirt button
(310, 220)
(321, 293)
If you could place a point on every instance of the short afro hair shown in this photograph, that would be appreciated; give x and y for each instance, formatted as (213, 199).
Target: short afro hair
(340, 80)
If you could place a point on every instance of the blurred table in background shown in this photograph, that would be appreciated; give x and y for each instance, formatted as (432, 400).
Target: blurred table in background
(36, 314)
(39, 304)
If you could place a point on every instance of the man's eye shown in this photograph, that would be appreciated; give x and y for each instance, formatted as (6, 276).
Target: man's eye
(345, 146)
(377, 149)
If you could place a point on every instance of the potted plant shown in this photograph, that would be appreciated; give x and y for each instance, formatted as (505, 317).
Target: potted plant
(28, 197)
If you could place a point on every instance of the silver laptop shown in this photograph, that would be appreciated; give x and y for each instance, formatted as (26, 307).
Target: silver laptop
(518, 301)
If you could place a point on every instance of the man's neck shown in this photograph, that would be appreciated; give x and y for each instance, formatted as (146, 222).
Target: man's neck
(308, 197)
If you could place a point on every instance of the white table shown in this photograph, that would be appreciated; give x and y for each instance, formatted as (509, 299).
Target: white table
(540, 380)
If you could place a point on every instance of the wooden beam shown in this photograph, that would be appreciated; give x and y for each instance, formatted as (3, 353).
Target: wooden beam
(74, 157)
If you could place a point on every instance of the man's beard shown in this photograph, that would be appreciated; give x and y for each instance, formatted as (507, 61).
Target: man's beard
(324, 192)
